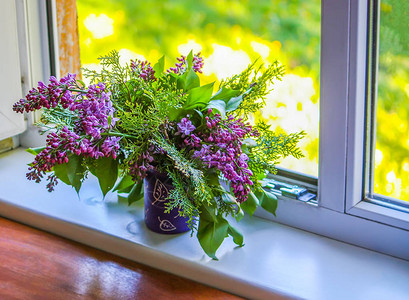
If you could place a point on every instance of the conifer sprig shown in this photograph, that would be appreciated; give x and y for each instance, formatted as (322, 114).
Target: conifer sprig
(254, 83)
(197, 185)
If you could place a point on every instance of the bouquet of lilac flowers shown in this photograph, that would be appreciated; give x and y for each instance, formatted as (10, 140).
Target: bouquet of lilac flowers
(137, 119)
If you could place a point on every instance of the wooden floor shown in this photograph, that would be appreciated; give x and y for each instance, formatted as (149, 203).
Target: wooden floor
(38, 265)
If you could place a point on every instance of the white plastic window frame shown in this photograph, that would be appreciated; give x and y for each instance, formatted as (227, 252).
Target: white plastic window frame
(10, 77)
(355, 206)
(34, 57)
(341, 213)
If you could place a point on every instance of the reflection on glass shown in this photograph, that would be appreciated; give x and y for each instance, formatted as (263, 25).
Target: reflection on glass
(392, 118)
(229, 35)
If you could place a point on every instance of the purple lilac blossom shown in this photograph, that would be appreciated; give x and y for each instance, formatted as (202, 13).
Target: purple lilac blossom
(180, 67)
(220, 148)
(110, 146)
(143, 69)
(94, 111)
(139, 169)
(48, 96)
(95, 116)
(94, 108)
(193, 141)
(59, 145)
(185, 127)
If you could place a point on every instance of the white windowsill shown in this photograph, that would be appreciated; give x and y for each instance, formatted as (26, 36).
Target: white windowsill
(277, 260)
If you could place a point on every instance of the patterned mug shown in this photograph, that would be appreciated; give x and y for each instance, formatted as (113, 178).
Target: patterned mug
(156, 190)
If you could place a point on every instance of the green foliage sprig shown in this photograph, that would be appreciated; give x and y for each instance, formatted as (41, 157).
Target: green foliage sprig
(253, 86)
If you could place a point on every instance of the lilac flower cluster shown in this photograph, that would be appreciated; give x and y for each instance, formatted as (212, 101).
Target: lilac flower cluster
(181, 65)
(139, 169)
(95, 113)
(48, 96)
(54, 153)
(185, 127)
(110, 146)
(59, 145)
(220, 147)
(143, 69)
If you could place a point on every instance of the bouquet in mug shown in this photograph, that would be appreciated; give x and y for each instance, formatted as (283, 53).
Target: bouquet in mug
(137, 119)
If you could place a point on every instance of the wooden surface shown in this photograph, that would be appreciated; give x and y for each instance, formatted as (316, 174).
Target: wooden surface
(68, 39)
(38, 265)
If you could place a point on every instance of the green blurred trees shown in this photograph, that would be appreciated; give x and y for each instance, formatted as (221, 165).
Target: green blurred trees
(291, 32)
(392, 138)
(162, 25)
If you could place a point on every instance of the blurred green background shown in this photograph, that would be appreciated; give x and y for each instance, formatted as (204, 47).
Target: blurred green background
(230, 34)
(392, 130)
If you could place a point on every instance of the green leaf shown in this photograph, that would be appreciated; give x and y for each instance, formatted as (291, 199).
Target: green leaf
(199, 113)
(35, 151)
(174, 113)
(208, 213)
(234, 103)
(189, 60)
(212, 234)
(237, 235)
(261, 175)
(199, 97)
(268, 201)
(122, 199)
(181, 80)
(159, 67)
(72, 172)
(219, 105)
(212, 177)
(225, 94)
(229, 199)
(61, 172)
(240, 214)
(106, 170)
(75, 171)
(136, 193)
(188, 80)
(80, 81)
(124, 183)
(126, 190)
(192, 80)
(173, 77)
(250, 205)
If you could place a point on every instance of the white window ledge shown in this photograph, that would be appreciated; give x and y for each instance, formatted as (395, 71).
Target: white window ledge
(276, 260)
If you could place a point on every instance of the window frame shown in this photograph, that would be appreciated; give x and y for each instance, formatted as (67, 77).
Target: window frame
(33, 34)
(341, 212)
(12, 123)
(357, 202)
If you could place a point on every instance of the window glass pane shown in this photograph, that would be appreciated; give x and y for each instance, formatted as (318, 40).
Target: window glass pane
(230, 35)
(392, 116)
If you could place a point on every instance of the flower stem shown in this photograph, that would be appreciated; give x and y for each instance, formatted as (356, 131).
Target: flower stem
(119, 134)
(77, 90)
